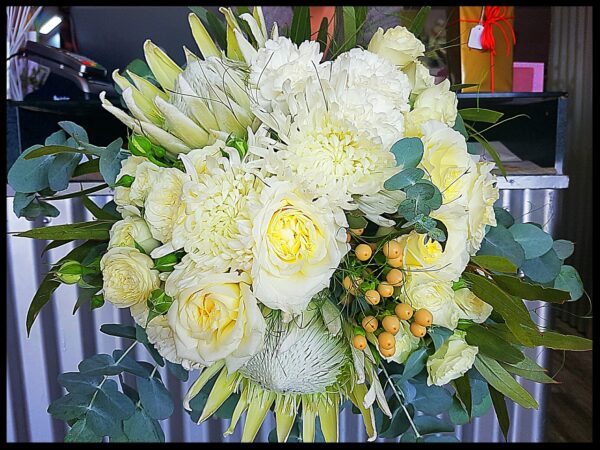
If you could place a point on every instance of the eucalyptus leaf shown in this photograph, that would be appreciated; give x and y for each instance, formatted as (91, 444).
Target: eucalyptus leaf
(155, 398)
(408, 152)
(568, 280)
(492, 345)
(75, 131)
(542, 269)
(101, 364)
(81, 432)
(563, 248)
(535, 242)
(79, 383)
(521, 288)
(29, 176)
(61, 170)
(498, 241)
(550, 339)
(494, 263)
(503, 217)
(404, 179)
(140, 427)
(109, 408)
(71, 406)
(110, 161)
(57, 138)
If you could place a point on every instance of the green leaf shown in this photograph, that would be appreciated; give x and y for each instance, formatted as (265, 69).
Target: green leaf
(21, 201)
(498, 241)
(57, 138)
(349, 19)
(480, 115)
(563, 248)
(71, 406)
(322, 34)
(80, 193)
(522, 289)
(80, 383)
(101, 364)
(542, 269)
(503, 217)
(96, 211)
(90, 166)
(119, 330)
(535, 242)
(178, 370)
(459, 86)
(130, 365)
(155, 398)
(520, 369)
(61, 169)
(502, 381)
(398, 424)
(510, 308)
(110, 407)
(548, 339)
(140, 427)
(568, 280)
(81, 432)
(463, 391)
(408, 152)
(95, 231)
(300, 30)
(501, 411)
(49, 285)
(415, 363)
(459, 125)
(416, 27)
(110, 161)
(494, 263)
(490, 150)
(356, 222)
(29, 176)
(431, 399)
(55, 244)
(492, 345)
(404, 179)
(75, 131)
(439, 335)
(57, 149)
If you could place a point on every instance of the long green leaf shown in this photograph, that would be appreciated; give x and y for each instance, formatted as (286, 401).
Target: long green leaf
(502, 381)
(91, 166)
(488, 148)
(349, 19)
(79, 193)
(322, 35)
(53, 149)
(96, 211)
(95, 231)
(495, 263)
(300, 30)
(49, 284)
(501, 411)
(480, 115)
(55, 244)
(463, 390)
(416, 27)
(510, 308)
(523, 289)
(538, 376)
(492, 345)
(550, 339)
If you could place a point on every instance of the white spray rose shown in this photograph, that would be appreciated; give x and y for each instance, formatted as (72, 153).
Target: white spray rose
(163, 204)
(128, 276)
(132, 229)
(128, 167)
(471, 306)
(434, 103)
(397, 44)
(298, 246)
(146, 175)
(418, 77)
(451, 361)
(406, 343)
(214, 316)
(437, 297)
(484, 193)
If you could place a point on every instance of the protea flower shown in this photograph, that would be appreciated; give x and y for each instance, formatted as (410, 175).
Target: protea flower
(306, 363)
(194, 105)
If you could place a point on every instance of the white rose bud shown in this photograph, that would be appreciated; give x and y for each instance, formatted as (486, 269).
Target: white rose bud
(471, 306)
(126, 232)
(128, 167)
(437, 297)
(437, 102)
(397, 45)
(128, 276)
(451, 361)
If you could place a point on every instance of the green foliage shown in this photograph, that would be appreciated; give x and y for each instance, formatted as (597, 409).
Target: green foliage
(408, 152)
(501, 411)
(459, 125)
(418, 23)
(548, 339)
(155, 398)
(563, 248)
(110, 161)
(542, 269)
(535, 241)
(568, 279)
(349, 19)
(480, 115)
(494, 263)
(492, 345)
(498, 241)
(523, 289)
(119, 330)
(158, 304)
(300, 30)
(503, 217)
(322, 35)
(94, 231)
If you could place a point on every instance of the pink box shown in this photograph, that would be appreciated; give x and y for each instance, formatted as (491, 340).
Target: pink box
(528, 77)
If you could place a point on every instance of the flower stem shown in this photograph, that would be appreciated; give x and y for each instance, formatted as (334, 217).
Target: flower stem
(412, 424)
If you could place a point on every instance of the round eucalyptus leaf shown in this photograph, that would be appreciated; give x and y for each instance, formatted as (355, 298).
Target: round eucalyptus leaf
(535, 242)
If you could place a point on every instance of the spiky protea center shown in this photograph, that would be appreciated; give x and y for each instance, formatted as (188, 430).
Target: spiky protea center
(299, 357)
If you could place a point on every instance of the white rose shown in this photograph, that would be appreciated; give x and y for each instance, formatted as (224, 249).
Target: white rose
(471, 306)
(128, 276)
(163, 207)
(437, 297)
(418, 77)
(128, 167)
(406, 343)
(214, 316)
(484, 193)
(146, 175)
(124, 232)
(298, 246)
(452, 360)
(436, 102)
(397, 44)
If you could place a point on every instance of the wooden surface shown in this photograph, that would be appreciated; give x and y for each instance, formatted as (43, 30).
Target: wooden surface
(569, 413)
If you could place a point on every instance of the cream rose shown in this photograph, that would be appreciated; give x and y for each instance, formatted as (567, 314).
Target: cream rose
(126, 232)
(434, 103)
(418, 77)
(437, 297)
(484, 193)
(471, 306)
(128, 167)
(128, 276)
(163, 204)
(146, 175)
(397, 45)
(451, 360)
(298, 246)
(406, 343)
(214, 316)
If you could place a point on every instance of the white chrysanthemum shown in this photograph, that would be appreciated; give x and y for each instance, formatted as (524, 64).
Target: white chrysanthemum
(281, 69)
(215, 226)
(372, 93)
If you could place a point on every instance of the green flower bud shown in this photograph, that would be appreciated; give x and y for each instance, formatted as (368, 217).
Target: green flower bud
(167, 263)
(139, 145)
(125, 181)
(158, 151)
(70, 272)
(97, 301)
(158, 303)
(239, 144)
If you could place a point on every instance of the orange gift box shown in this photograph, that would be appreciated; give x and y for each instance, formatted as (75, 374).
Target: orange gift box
(491, 68)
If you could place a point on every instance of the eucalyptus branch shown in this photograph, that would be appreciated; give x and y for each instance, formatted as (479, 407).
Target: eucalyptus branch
(412, 424)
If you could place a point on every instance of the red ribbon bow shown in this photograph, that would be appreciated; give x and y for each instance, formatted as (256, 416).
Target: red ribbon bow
(494, 15)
